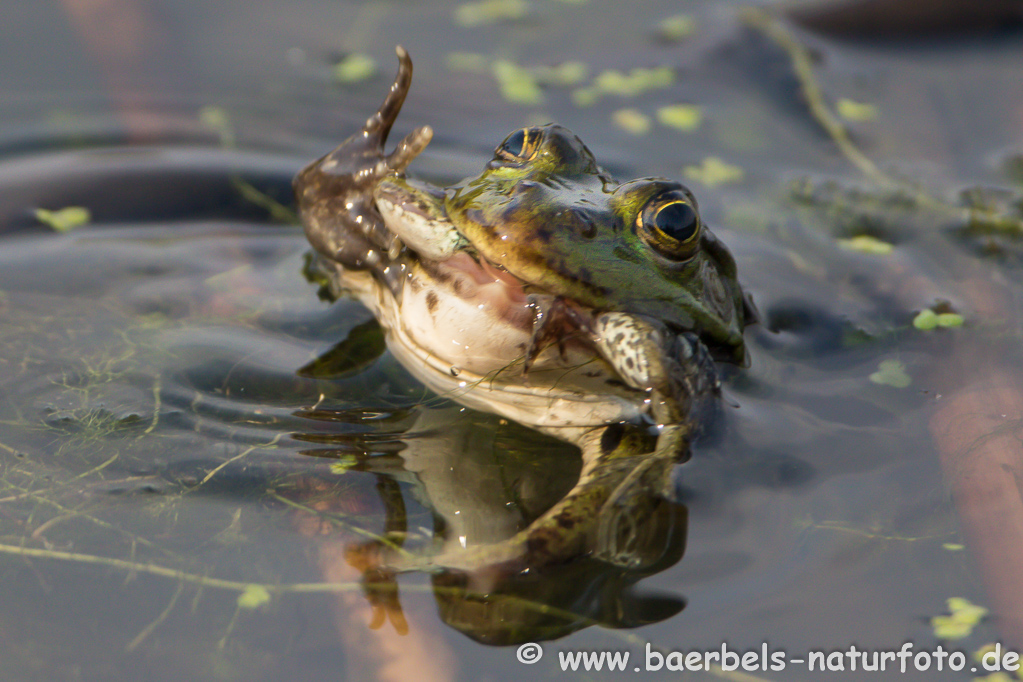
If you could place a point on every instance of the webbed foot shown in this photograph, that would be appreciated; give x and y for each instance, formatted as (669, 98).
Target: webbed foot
(335, 193)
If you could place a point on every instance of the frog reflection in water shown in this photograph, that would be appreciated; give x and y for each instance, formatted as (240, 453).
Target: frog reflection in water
(543, 291)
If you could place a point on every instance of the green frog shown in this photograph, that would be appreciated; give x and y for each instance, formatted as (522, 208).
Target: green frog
(542, 290)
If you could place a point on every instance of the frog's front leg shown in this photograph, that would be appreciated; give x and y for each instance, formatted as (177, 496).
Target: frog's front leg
(335, 193)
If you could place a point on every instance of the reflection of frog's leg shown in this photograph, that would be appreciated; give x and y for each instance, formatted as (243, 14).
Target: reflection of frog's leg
(598, 515)
(622, 486)
(632, 529)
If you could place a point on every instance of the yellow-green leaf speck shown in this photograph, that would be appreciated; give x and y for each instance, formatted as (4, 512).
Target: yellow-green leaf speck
(891, 373)
(470, 62)
(950, 320)
(355, 68)
(518, 85)
(713, 172)
(685, 117)
(565, 74)
(632, 120)
(253, 597)
(343, 464)
(963, 617)
(927, 320)
(995, 677)
(585, 97)
(64, 219)
(864, 243)
(637, 81)
(676, 27)
(217, 120)
(490, 12)
(856, 111)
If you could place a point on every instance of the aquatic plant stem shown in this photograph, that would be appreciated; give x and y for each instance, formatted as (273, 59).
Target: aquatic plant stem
(157, 383)
(802, 64)
(176, 574)
(149, 629)
(242, 454)
(203, 581)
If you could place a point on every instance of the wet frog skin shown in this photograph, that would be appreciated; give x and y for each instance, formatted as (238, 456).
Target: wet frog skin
(542, 290)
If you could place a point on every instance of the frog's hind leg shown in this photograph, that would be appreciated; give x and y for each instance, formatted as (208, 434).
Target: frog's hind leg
(379, 124)
(335, 192)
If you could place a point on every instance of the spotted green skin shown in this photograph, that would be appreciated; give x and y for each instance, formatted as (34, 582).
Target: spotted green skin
(563, 225)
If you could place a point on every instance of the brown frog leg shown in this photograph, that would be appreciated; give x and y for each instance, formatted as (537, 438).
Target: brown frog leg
(335, 193)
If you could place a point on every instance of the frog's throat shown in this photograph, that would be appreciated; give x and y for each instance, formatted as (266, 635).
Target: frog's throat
(615, 367)
(544, 402)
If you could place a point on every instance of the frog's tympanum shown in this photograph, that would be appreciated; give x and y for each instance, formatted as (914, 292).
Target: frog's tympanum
(547, 292)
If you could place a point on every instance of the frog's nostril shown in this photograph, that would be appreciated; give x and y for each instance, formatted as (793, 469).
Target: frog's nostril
(587, 228)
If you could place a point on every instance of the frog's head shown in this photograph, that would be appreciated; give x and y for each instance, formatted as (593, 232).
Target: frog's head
(549, 215)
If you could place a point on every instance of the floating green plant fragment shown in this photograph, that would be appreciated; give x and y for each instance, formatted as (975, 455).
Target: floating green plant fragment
(632, 120)
(64, 219)
(517, 84)
(864, 243)
(978, 655)
(855, 111)
(994, 677)
(565, 74)
(963, 617)
(253, 597)
(470, 62)
(343, 464)
(685, 117)
(354, 68)
(217, 120)
(676, 28)
(950, 320)
(953, 546)
(891, 373)
(927, 320)
(712, 172)
(615, 83)
(490, 12)
(585, 97)
(636, 82)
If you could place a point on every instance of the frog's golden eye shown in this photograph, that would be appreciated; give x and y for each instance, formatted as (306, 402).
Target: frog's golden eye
(671, 226)
(520, 145)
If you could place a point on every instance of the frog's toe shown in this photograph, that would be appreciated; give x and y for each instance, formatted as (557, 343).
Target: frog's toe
(378, 126)
(409, 148)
